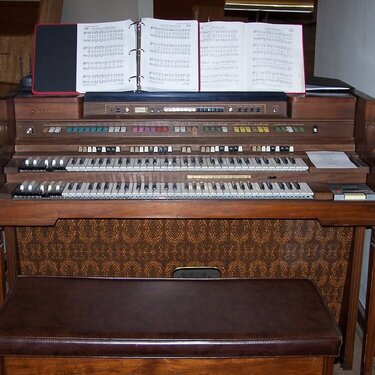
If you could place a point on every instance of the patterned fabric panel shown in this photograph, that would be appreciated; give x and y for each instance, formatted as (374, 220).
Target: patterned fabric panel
(154, 248)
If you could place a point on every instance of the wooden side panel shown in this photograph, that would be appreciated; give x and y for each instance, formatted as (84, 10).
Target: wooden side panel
(95, 366)
(368, 348)
(2, 269)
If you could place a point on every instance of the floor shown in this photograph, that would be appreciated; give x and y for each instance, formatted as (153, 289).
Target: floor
(356, 361)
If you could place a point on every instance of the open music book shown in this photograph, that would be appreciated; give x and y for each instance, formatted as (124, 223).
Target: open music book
(162, 55)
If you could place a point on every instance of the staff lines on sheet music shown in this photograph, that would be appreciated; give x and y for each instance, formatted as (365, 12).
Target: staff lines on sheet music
(280, 64)
(182, 78)
(170, 33)
(166, 63)
(98, 65)
(103, 51)
(219, 65)
(170, 49)
(267, 76)
(274, 34)
(218, 36)
(219, 79)
(101, 36)
(270, 52)
(93, 79)
(220, 52)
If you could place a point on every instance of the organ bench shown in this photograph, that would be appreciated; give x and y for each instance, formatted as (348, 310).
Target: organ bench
(167, 326)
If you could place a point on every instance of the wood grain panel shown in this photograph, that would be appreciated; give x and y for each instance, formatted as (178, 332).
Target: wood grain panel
(12, 50)
(18, 17)
(95, 366)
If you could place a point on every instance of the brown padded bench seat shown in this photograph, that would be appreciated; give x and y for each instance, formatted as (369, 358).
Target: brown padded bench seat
(166, 318)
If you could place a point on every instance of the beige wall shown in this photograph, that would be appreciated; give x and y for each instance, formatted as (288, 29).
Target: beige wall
(345, 42)
(105, 10)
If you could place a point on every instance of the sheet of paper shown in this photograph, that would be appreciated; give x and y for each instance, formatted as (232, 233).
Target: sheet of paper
(330, 159)
(169, 55)
(104, 60)
(275, 58)
(222, 56)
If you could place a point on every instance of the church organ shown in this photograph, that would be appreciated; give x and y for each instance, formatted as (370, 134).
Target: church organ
(107, 187)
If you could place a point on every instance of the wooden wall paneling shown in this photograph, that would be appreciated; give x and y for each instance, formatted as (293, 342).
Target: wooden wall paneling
(18, 17)
(17, 23)
(13, 50)
(2, 268)
(50, 11)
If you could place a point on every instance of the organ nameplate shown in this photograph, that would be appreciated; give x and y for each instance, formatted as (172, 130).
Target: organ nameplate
(217, 176)
(140, 110)
(354, 196)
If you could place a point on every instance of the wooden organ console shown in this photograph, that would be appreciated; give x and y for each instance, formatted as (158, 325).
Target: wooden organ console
(137, 188)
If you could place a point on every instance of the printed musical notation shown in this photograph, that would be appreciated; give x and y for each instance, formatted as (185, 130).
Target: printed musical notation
(274, 62)
(222, 57)
(157, 55)
(169, 58)
(103, 61)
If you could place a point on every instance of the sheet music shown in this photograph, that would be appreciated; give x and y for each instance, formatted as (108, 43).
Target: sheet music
(330, 159)
(169, 58)
(222, 56)
(104, 60)
(275, 55)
